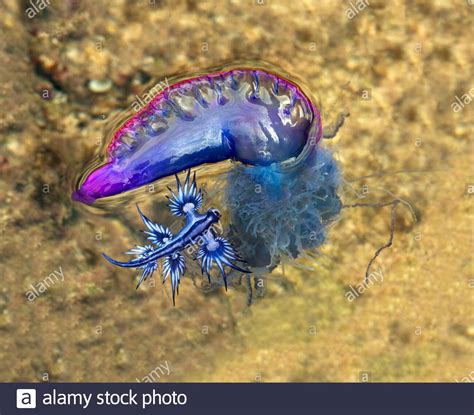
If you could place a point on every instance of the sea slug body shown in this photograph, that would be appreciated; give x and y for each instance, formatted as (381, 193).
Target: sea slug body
(197, 231)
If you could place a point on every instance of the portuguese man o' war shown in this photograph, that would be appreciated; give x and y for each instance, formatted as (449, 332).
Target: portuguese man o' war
(247, 115)
(279, 194)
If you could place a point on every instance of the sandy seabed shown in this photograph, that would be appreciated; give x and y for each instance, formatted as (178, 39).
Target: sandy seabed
(396, 66)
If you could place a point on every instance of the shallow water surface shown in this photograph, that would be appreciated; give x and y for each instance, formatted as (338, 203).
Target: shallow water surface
(397, 67)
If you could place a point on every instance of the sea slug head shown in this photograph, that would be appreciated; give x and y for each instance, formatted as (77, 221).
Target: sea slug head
(213, 215)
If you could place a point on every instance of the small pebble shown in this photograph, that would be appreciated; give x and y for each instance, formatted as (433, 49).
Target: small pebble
(100, 86)
(470, 331)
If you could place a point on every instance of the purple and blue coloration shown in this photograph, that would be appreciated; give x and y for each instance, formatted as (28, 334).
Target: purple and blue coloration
(253, 116)
(198, 230)
(248, 115)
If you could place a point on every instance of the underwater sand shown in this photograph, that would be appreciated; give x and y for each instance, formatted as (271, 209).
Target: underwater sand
(396, 66)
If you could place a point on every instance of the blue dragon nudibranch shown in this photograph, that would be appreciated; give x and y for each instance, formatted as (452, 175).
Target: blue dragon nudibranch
(280, 192)
(198, 230)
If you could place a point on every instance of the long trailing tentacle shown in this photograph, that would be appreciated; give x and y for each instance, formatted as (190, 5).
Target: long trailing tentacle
(331, 130)
(394, 204)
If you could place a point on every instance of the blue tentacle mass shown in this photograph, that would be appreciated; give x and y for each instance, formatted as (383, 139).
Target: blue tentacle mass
(277, 214)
